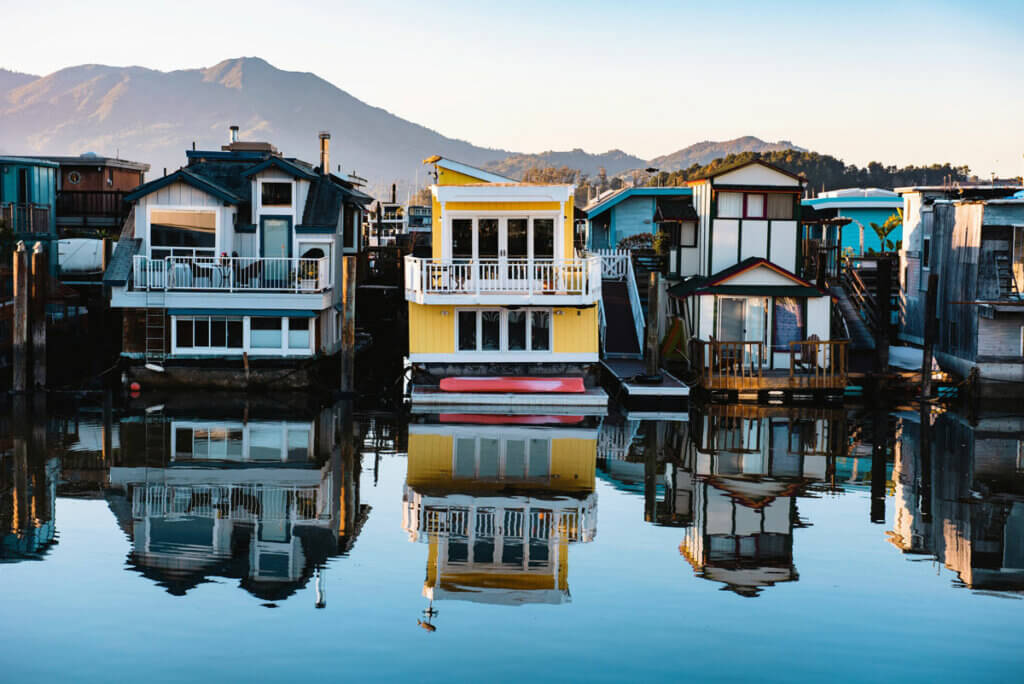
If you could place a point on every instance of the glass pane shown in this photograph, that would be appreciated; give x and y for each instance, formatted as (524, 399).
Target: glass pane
(755, 205)
(265, 333)
(490, 330)
(539, 553)
(780, 206)
(540, 330)
(234, 452)
(544, 238)
(787, 323)
(276, 194)
(298, 333)
(218, 332)
(730, 319)
(298, 445)
(517, 247)
(688, 235)
(517, 331)
(180, 228)
(515, 458)
(465, 457)
(540, 458)
(265, 444)
(201, 444)
(462, 238)
(182, 443)
(276, 238)
(467, 331)
(202, 332)
(458, 551)
(512, 553)
(184, 332)
(235, 334)
(490, 450)
(483, 551)
(730, 204)
(488, 238)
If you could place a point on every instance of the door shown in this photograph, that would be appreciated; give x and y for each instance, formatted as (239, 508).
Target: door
(516, 240)
(275, 248)
(488, 251)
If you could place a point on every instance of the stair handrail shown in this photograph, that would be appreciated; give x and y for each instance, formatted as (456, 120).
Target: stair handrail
(634, 303)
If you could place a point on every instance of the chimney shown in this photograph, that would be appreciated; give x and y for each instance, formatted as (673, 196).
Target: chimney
(325, 152)
(233, 135)
(392, 193)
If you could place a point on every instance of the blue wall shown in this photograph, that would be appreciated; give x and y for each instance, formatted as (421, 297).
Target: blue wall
(865, 217)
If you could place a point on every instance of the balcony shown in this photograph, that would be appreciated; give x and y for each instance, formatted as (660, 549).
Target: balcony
(549, 282)
(25, 218)
(232, 274)
(741, 366)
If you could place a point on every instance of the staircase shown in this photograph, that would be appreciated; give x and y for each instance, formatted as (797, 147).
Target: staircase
(646, 262)
(861, 336)
(620, 335)
(1008, 288)
(156, 319)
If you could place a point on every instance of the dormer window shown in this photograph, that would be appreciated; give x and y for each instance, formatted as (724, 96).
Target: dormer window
(276, 194)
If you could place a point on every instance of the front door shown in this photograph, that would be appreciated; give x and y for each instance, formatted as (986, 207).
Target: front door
(742, 319)
(275, 248)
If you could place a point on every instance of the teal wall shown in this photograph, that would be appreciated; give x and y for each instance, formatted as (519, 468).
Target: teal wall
(865, 217)
(42, 190)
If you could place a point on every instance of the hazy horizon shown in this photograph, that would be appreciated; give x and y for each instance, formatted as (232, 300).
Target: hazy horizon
(918, 84)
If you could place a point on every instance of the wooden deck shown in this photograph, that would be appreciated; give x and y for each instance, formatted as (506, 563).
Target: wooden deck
(671, 394)
(740, 366)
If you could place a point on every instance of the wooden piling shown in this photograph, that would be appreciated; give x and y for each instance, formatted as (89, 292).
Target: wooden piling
(930, 329)
(883, 299)
(40, 290)
(653, 351)
(19, 350)
(348, 324)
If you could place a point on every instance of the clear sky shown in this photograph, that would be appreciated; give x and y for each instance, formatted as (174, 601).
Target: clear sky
(897, 82)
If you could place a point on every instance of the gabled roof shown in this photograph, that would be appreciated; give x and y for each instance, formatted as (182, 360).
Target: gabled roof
(467, 170)
(728, 168)
(286, 165)
(718, 283)
(189, 178)
(603, 204)
(327, 195)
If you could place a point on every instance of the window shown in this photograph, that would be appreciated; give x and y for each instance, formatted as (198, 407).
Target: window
(926, 252)
(276, 194)
(462, 238)
(780, 206)
(754, 206)
(497, 458)
(544, 238)
(265, 333)
(520, 330)
(208, 332)
(730, 205)
(688, 234)
(182, 232)
(298, 333)
(788, 322)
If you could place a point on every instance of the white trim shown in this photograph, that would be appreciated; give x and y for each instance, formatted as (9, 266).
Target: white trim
(501, 431)
(505, 357)
(183, 207)
(467, 170)
(521, 192)
(503, 331)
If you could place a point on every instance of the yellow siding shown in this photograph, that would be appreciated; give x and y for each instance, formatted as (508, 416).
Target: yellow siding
(575, 331)
(449, 177)
(429, 460)
(502, 206)
(572, 464)
(569, 221)
(436, 228)
(431, 329)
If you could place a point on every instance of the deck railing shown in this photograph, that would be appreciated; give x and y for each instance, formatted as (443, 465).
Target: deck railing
(25, 218)
(580, 277)
(232, 274)
(613, 262)
(237, 502)
(106, 203)
(744, 365)
(732, 364)
(814, 363)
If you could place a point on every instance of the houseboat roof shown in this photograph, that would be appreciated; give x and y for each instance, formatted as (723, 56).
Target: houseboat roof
(34, 161)
(729, 168)
(718, 283)
(603, 204)
(184, 175)
(856, 198)
(467, 170)
(93, 159)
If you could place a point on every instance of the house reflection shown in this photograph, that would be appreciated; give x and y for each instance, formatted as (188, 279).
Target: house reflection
(498, 505)
(28, 492)
(260, 499)
(751, 463)
(960, 496)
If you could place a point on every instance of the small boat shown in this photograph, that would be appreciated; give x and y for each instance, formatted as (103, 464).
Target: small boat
(488, 419)
(513, 384)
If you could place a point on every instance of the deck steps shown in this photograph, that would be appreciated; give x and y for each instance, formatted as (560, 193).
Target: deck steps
(861, 337)
(620, 332)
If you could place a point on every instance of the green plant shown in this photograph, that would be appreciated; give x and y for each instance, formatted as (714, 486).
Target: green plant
(661, 242)
(638, 241)
(890, 224)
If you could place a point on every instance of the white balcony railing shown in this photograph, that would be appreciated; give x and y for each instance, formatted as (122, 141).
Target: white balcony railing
(578, 279)
(232, 274)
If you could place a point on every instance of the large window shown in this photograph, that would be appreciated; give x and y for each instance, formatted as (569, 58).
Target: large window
(265, 333)
(182, 232)
(208, 332)
(730, 205)
(462, 238)
(495, 458)
(780, 206)
(495, 330)
(490, 238)
(789, 322)
(276, 194)
(756, 205)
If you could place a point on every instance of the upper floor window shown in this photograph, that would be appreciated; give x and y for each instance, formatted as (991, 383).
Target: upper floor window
(276, 194)
(755, 205)
(182, 232)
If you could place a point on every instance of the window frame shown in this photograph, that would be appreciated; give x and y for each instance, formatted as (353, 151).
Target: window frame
(503, 331)
(280, 183)
(206, 251)
(764, 205)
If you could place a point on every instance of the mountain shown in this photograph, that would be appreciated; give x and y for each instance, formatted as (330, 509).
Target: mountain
(154, 116)
(613, 161)
(704, 152)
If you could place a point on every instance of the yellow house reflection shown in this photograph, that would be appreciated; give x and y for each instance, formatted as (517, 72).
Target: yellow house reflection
(498, 507)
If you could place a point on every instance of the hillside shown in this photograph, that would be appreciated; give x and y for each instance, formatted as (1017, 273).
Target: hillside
(705, 152)
(154, 116)
(614, 162)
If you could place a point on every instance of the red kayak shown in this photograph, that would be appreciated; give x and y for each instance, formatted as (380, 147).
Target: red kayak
(504, 384)
(487, 419)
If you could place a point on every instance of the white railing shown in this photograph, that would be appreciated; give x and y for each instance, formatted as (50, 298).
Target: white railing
(232, 274)
(579, 277)
(634, 302)
(613, 262)
(243, 502)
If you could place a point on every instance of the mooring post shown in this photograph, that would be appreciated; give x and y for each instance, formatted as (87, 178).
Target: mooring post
(19, 351)
(930, 328)
(39, 296)
(883, 298)
(652, 351)
(879, 457)
(348, 324)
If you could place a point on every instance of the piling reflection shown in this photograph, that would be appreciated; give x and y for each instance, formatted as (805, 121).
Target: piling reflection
(959, 496)
(28, 486)
(265, 497)
(498, 501)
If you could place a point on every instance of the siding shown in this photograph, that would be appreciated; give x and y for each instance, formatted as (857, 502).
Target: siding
(1000, 337)
(632, 217)
(429, 331)
(575, 331)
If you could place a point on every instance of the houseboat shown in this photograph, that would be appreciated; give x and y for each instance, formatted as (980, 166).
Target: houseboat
(751, 323)
(228, 270)
(863, 207)
(975, 246)
(502, 294)
(626, 213)
(28, 203)
(499, 506)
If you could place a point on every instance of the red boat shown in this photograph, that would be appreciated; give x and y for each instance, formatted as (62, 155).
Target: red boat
(488, 419)
(518, 385)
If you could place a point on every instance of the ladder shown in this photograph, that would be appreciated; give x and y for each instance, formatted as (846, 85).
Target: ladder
(156, 318)
(1004, 274)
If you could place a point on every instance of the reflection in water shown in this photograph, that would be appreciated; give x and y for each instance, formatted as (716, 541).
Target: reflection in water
(28, 486)
(498, 507)
(960, 496)
(266, 501)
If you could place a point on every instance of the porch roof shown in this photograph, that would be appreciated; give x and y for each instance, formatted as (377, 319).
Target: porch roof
(119, 270)
(718, 283)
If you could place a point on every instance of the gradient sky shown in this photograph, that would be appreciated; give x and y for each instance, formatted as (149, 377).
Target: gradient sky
(911, 82)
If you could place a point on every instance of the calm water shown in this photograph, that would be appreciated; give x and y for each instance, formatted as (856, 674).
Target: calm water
(250, 542)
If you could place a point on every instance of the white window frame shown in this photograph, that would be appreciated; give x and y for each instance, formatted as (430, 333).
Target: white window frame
(218, 239)
(207, 351)
(246, 348)
(502, 458)
(503, 336)
(502, 217)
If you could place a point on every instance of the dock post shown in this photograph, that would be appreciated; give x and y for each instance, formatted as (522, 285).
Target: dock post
(348, 325)
(39, 296)
(19, 351)
(930, 326)
(883, 298)
(653, 309)
(879, 455)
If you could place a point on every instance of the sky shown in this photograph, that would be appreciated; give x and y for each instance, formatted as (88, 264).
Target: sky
(897, 82)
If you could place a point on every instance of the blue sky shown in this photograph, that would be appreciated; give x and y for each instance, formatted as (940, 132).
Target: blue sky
(903, 83)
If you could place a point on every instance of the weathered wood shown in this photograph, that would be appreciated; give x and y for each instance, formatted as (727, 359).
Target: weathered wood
(930, 327)
(40, 289)
(348, 325)
(19, 350)
(883, 300)
(652, 352)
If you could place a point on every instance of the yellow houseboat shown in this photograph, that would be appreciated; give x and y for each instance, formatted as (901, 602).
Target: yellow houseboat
(502, 292)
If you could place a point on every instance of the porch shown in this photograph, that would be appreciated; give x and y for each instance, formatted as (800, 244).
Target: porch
(232, 274)
(555, 282)
(814, 365)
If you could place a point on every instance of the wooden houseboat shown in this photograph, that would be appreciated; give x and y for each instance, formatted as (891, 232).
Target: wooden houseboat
(503, 293)
(751, 323)
(499, 506)
(229, 269)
